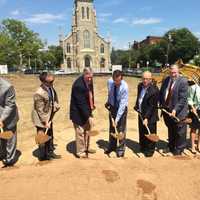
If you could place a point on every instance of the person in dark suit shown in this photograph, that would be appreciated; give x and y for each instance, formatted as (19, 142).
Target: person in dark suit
(146, 105)
(173, 97)
(81, 107)
(8, 121)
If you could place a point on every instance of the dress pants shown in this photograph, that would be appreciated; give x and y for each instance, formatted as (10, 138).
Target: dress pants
(46, 149)
(146, 146)
(121, 128)
(8, 148)
(176, 134)
(82, 138)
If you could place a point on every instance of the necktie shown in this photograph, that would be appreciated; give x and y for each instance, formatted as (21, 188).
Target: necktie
(91, 99)
(169, 95)
(115, 97)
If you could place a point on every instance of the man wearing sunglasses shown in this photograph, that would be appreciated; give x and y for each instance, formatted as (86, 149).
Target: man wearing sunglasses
(45, 106)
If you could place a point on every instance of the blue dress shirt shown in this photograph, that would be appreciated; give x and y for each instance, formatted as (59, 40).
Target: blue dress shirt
(122, 97)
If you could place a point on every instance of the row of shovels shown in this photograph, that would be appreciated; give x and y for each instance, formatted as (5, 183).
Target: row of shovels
(153, 136)
(42, 137)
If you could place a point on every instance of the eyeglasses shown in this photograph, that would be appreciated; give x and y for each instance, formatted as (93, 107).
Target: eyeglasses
(148, 79)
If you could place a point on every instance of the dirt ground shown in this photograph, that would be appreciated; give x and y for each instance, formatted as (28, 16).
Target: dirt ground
(98, 177)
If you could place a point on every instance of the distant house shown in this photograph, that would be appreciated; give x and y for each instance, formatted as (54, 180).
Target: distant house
(148, 41)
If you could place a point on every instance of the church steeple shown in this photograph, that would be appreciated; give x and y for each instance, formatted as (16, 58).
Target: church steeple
(89, 1)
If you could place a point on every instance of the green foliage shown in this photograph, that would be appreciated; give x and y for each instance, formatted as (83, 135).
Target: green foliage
(183, 44)
(19, 42)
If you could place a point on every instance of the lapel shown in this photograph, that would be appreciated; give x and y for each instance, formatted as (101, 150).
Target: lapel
(147, 93)
(166, 83)
(176, 83)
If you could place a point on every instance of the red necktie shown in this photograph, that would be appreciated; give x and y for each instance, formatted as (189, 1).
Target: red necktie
(169, 95)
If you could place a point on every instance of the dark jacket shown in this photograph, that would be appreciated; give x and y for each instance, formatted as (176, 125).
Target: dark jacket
(178, 100)
(80, 110)
(149, 104)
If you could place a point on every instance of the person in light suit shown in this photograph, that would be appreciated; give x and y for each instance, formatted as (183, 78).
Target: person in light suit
(44, 108)
(8, 121)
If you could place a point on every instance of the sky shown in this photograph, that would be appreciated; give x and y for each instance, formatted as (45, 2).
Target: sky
(122, 21)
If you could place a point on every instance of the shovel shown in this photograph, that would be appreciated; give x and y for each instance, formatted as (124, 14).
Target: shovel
(92, 132)
(196, 115)
(186, 120)
(151, 136)
(6, 135)
(118, 136)
(42, 137)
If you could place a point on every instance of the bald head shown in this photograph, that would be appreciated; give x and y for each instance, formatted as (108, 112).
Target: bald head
(146, 78)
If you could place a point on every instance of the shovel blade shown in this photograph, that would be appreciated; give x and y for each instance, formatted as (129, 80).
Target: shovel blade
(118, 136)
(42, 138)
(93, 133)
(6, 135)
(153, 137)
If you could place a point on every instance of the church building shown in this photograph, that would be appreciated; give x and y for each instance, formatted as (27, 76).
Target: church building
(84, 47)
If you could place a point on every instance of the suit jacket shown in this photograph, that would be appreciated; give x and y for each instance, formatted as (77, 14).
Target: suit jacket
(149, 104)
(80, 109)
(44, 108)
(8, 108)
(178, 99)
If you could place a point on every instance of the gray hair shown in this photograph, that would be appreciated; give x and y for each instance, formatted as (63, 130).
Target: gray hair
(87, 70)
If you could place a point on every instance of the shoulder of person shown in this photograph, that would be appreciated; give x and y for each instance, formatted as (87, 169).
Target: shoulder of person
(154, 88)
(166, 79)
(110, 81)
(78, 82)
(125, 85)
(6, 84)
(183, 79)
(40, 91)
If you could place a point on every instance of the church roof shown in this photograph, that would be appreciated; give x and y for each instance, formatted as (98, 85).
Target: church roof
(83, 1)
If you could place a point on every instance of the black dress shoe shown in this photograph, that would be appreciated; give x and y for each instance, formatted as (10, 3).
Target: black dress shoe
(120, 155)
(7, 164)
(177, 153)
(148, 154)
(54, 156)
(107, 151)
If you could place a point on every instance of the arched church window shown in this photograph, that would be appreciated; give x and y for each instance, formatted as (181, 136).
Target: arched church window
(69, 64)
(86, 38)
(68, 48)
(83, 12)
(88, 13)
(102, 48)
(102, 63)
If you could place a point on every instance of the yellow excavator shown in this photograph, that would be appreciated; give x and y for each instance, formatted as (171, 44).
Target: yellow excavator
(191, 72)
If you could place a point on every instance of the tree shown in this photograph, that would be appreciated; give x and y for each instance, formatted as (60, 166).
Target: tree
(25, 42)
(184, 45)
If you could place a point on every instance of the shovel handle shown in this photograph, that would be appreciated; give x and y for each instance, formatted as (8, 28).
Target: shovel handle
(149, 132)
(196, 115)
(47, 128)
(115, 127)
(178, 120)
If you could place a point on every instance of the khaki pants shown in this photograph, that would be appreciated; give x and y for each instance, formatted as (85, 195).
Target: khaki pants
(82, 138)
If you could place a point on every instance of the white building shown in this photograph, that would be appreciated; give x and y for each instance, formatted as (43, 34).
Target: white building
(83, 47)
